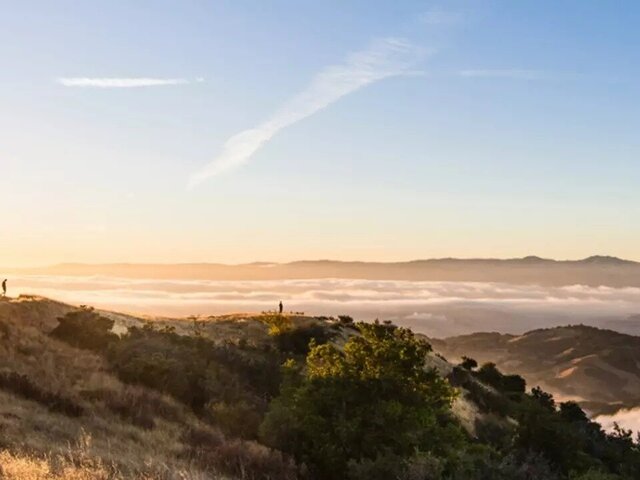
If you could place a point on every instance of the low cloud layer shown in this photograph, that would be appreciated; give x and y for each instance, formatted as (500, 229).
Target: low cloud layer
(629, 419)
(436, 308)
(384, 58)
(89, 82)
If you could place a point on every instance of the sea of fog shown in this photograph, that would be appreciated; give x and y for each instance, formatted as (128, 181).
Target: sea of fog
(437, 309)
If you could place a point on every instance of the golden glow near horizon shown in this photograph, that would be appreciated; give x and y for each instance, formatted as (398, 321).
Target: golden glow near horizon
(385, 141)
(109, 246)
(235, 222)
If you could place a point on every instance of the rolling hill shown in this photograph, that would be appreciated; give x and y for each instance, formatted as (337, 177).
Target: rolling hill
(596, 367)
(88, 394)
(64, 414)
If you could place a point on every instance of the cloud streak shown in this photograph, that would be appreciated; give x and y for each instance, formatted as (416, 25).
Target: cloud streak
(383, 59)
(110, 82)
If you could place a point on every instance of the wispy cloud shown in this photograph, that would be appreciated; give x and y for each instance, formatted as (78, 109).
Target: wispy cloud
(385, 58)
(109, 82)
(503, 73)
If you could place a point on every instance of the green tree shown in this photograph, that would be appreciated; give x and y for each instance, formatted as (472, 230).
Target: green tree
(543, 398)
(373, 398)
(513, 384)
(468, 363)
(489, 374)
(345, 319)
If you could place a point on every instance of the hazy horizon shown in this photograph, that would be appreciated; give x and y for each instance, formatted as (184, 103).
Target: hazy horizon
(317, 260)
(436, 308)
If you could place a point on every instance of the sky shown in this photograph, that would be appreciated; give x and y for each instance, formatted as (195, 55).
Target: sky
(238, 131)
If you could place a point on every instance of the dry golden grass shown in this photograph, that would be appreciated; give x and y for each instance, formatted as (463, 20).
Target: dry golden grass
(122, 431)
(16, 467)
(26, 467)
(111, 431)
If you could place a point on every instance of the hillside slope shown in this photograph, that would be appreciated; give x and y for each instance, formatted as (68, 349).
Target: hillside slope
(65, 415)
(598, 368)
(270, 397)
(66, 405)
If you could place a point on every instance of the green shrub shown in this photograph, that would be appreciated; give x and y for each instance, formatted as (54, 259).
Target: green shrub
(296, 340)
(513, 384)
(85, 328)
(278, 323)
(468, 363)
(242, 459)
(494, 430)
(382, 467)
(22, 386)
(195, 370)
(594, 474)
(489, 374)
(238, 419)
(486, 399)
(140, 407)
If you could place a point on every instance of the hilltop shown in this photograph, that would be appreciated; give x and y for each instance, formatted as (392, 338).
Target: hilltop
(594, 271)
(598, 368)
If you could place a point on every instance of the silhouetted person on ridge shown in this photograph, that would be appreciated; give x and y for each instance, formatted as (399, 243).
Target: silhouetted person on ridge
(4, 288)
(279, 306)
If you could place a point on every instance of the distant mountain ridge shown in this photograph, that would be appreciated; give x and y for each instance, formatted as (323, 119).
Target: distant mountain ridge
(593, 271)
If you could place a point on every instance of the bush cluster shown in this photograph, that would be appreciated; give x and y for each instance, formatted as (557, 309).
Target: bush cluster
(368, 410)
(23, 386)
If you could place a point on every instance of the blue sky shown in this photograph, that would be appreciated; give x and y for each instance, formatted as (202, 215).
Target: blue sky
(498, 129)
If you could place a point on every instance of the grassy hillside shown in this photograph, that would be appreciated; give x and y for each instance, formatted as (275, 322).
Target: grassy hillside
(598, 368)
(65, 414)
(90, 394)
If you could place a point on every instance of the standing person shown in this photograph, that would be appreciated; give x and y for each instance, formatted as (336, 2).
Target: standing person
(279, 306)
(4, 288)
